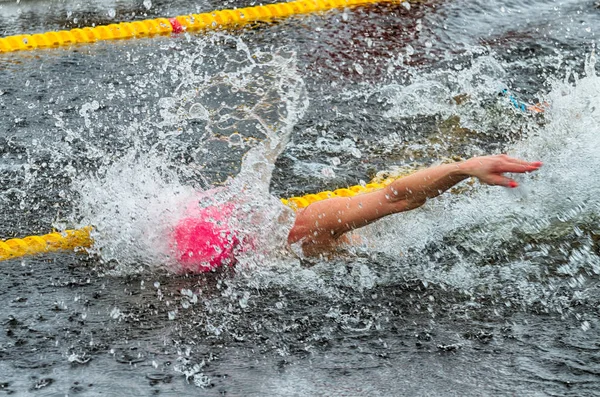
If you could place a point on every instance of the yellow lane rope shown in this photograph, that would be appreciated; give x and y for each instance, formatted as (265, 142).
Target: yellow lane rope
(65, 241)
(299, 202)
(219, 19)
(70, 240)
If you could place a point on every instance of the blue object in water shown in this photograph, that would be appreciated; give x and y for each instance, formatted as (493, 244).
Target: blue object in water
(516, 102)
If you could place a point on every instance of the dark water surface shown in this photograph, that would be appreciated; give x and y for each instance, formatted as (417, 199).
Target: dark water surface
(485, 293)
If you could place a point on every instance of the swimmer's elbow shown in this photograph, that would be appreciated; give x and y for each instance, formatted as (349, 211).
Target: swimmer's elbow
(403, 200)
(409, 204)
(295, 235)
(416, 203)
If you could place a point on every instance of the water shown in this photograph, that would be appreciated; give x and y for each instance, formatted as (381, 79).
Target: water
(487, 292)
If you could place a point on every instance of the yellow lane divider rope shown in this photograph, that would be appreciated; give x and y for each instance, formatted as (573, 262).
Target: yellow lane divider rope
(300, 202)
(219, 19)
(64, 241)
(70, 240)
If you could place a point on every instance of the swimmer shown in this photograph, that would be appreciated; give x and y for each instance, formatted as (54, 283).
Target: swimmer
(203, 246)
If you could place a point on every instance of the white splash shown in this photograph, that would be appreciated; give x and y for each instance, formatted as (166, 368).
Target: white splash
(552, 201)
(134, 202)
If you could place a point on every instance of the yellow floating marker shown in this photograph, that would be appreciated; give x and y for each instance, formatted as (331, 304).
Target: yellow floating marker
(220, 19)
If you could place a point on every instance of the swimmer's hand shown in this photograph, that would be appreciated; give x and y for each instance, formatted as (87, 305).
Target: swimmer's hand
(490, 169)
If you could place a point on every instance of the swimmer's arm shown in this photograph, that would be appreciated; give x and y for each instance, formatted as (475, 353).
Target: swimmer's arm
(331, 218)
(327, 220)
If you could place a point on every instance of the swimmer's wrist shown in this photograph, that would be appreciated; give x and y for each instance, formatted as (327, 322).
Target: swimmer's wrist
(462, 169)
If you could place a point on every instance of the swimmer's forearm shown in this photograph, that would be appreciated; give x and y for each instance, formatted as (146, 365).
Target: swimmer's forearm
(428, 183)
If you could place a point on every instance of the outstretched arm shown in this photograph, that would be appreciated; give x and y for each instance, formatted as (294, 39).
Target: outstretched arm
(326, 220)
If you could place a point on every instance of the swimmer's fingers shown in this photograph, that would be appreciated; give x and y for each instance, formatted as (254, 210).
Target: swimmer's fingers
(498, 180)
(516, 160)
(511, 164)
(491, 169)
(498, 164)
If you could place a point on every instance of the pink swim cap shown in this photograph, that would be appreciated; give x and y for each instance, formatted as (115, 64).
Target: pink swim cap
(203, 240)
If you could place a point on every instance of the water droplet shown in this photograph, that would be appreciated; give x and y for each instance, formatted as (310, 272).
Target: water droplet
(244, 301)
(235, 139)
(115, 313)
(359, 69)
(147, 4)
(197, 111)
(328, 172)
(585, 326)
(112, 13)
